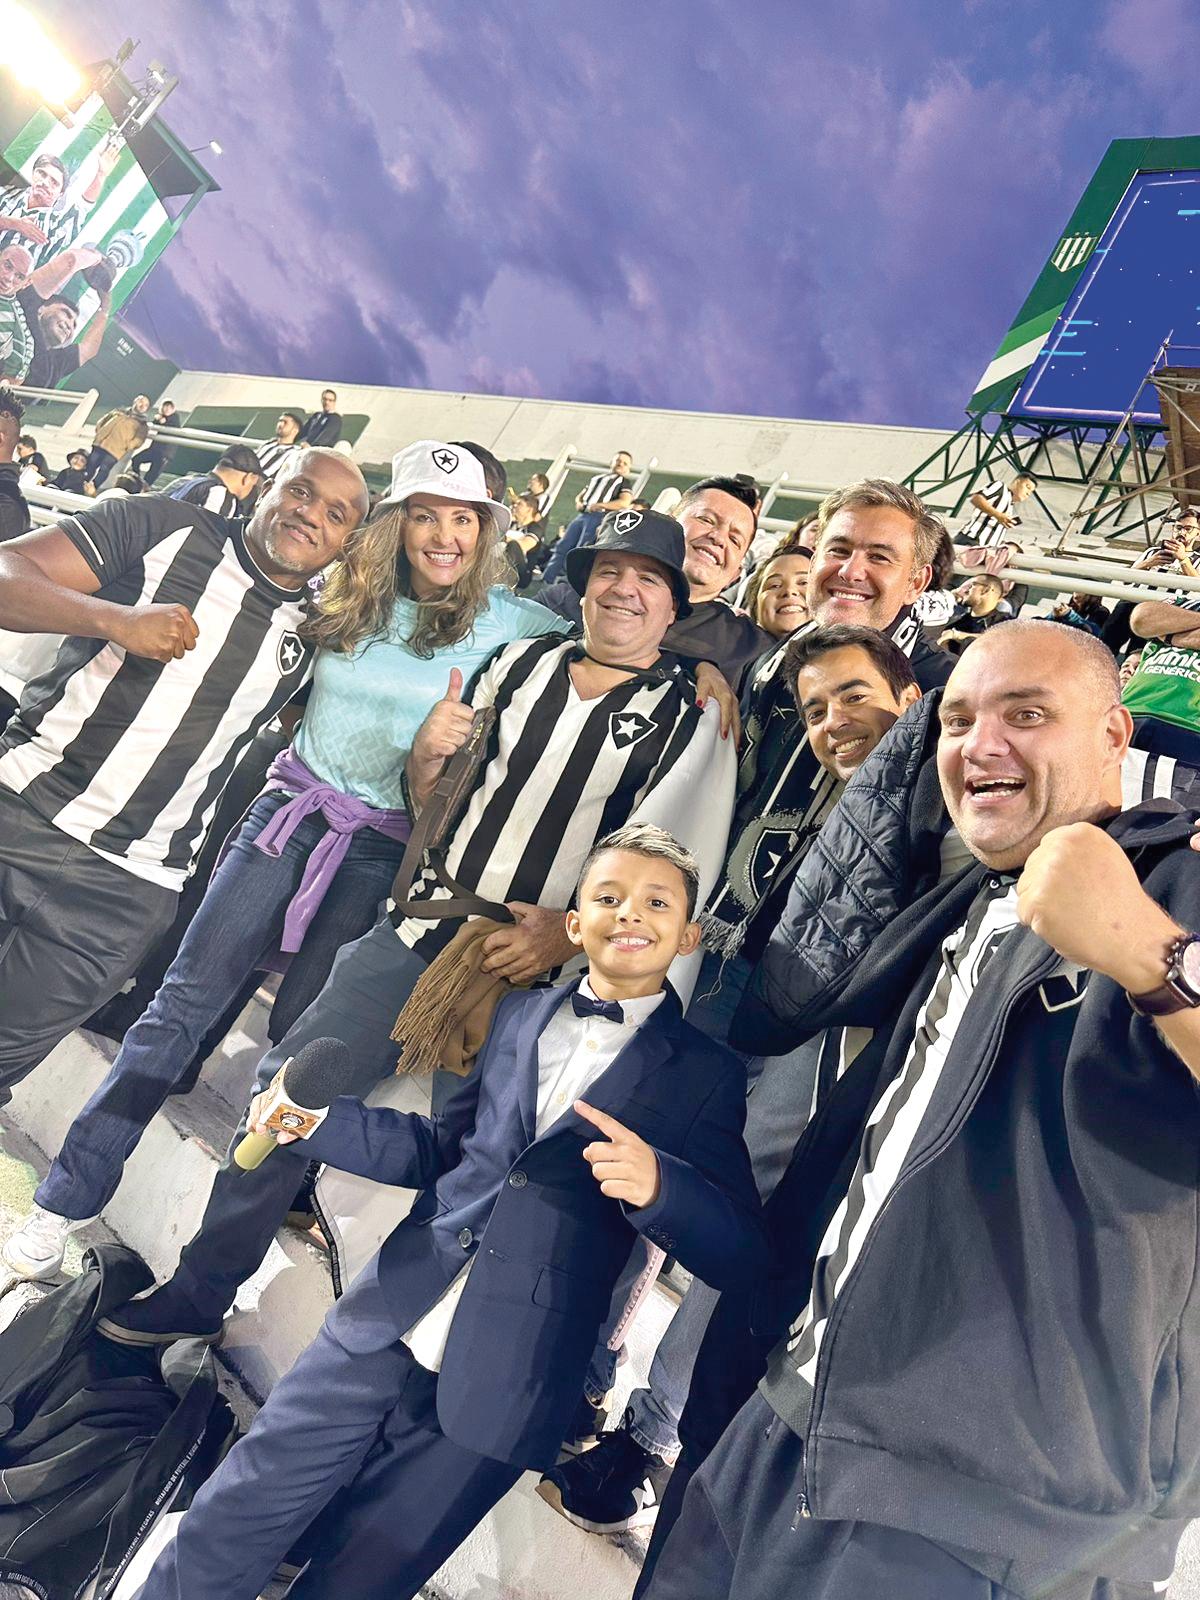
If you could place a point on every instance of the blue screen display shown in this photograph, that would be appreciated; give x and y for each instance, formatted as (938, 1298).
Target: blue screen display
(1141, 283)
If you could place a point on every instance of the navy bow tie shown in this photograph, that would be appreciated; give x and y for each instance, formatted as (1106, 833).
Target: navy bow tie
(584, 1007)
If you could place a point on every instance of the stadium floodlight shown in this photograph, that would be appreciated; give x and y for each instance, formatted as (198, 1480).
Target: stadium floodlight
(31, 56)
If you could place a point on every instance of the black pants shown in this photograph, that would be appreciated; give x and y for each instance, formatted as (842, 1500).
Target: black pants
(73, 927)
(742, 1536)
(100, 463)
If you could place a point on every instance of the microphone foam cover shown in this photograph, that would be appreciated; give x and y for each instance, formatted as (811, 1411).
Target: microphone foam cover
(318, 1072)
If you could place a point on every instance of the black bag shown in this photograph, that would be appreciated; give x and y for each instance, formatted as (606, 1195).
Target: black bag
(96, 1438)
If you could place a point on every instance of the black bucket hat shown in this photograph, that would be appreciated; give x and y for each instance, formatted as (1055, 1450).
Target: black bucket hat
(639, 533)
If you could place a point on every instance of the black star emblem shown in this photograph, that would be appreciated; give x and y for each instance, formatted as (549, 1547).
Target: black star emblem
(446, 459)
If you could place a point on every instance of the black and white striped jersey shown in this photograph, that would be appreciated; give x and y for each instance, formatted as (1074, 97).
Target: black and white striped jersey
(896, 1119)
(984, 528)
(128, 755)
(605, 486)
(206, 490)
(560, 772)
(273, 458)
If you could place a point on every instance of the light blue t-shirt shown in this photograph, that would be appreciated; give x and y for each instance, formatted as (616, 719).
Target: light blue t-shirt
(365, 707)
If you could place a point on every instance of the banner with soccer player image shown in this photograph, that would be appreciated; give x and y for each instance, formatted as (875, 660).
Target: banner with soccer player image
(76, 239)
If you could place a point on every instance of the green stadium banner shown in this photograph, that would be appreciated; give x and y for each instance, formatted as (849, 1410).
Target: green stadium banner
(1023, 342)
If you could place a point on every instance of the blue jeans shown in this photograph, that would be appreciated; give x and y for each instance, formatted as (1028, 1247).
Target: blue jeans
(239, 921)
(581, 530)
(779, 1103)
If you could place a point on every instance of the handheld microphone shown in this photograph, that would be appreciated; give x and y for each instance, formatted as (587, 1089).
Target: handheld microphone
(303, 1088)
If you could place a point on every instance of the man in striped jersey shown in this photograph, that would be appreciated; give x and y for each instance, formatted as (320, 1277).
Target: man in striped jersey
(995, 510)
(227, 487)
(589, 735)
(986, 1391)
(605, 492)
(272, 456)
(182, 642)
(35, 215)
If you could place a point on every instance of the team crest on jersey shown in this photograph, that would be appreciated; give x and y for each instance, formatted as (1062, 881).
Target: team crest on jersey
(289, 653)
(627, 728)
(446, 459)
(626, 521)
(1065, 989)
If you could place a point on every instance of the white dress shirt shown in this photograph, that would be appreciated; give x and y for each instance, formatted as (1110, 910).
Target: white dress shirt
(572, 1053)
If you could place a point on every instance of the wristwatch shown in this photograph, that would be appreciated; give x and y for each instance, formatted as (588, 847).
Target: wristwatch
(1180, 989)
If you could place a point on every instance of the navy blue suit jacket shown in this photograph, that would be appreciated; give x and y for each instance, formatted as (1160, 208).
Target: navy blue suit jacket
(546, 1245)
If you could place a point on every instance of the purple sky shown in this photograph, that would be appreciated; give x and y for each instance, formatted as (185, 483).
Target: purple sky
(785, 208)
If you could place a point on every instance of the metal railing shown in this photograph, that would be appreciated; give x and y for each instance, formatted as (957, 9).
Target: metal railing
(79, 404)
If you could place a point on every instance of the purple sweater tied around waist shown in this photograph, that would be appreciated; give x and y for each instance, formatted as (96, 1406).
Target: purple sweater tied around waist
(345, 815)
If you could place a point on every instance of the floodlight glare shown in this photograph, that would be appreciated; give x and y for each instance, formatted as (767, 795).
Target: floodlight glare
(28, 52)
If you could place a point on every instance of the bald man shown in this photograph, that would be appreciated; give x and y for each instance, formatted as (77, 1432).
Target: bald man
(183, 640)
(985, 1290)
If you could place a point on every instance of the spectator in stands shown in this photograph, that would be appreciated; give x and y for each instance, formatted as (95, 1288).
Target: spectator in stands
(718, 524)
(525, 543)
(776, 598)
(108, 773)
(1085, 611)
(604, 492)
(73, 477)
(273, 455)
(322, 427)
(392, 624)
(1163, 693)
(588, 736)
(228, 488)
(149, 462)
(1040, 1041)
(53, 319)
(14, 510)
(539, 486)
(117, 434)
(977, 611)
(995, 512)
(31, 459)
(934, 607)
(122, 486)
(876, 542)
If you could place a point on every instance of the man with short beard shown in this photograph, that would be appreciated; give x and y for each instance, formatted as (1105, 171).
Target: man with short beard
(113, 764)
(54, 319)
(273, 455)
(973, 1373)
(717, 517)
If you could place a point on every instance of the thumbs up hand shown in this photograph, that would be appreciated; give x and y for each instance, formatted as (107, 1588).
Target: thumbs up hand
(443, 732)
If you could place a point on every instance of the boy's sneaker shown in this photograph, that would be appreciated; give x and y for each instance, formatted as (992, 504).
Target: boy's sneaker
(613, 1488)
(586, 1427)
(160, 1317)
(37, 1248)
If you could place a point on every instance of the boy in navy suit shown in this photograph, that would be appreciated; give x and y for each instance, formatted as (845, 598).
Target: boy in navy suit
(454, 1362)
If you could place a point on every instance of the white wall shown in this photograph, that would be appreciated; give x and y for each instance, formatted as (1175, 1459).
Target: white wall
(820, 455)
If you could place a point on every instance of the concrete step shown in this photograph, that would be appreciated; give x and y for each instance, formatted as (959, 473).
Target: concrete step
(523, 1551)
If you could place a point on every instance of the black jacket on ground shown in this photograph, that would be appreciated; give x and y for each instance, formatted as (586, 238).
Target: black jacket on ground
(96, 1439)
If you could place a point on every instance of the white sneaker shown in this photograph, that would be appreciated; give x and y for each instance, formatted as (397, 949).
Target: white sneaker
(37, 1248)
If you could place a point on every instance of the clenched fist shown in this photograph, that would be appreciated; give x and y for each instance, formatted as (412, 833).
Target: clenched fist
(622, 1163)
(160, 633)
(1080, 894)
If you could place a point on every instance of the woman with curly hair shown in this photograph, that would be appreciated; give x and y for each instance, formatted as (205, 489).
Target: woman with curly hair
(422, 589)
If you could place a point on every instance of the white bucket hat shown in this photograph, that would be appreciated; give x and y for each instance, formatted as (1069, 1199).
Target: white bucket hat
(430, 467)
